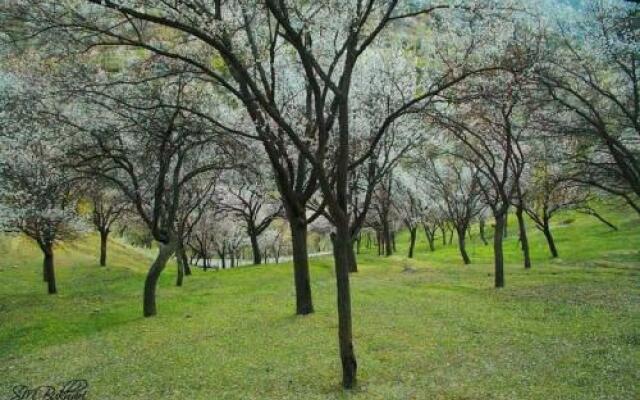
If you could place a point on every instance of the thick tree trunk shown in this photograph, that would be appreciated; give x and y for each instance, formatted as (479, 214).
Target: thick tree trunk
(353, 260)
(255, 248)
(304, 303)
(482, 236)
(546, 230)
(412, 241)
(104, 235)
(342, 247)
(524, 241)
(165, 251)
(49, 271)
(462, 245)
(498, 255)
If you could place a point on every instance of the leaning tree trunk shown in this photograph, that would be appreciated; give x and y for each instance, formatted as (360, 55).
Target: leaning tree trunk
(304, 303)
(48, 268)
(255, 247)
(546, 230)
(412, 241)
(462, 245)
(524, 241)
(498, 254)
(165, 251)
(104, 235)
(342, 247)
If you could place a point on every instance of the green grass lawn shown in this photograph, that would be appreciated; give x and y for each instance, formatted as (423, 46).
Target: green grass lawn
(429, 328)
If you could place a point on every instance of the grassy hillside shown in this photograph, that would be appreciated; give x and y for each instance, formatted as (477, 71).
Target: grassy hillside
(428, 328)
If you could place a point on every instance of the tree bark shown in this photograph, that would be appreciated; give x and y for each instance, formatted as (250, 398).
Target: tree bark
(412, 242)
(498, 254)
(341, 249)
(180, 266)
(104, 235)
(462, 245)
(546, 230)
(386, 239)
(255, 248)
(165, 251)
(524, 241)
(304, 303)
(393, 241)
(49, 270)
(353, 260)
(482, 236)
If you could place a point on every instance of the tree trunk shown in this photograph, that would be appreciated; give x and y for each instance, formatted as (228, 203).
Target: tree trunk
(353, 260)
(412, 243)
(186, 263)
(104, 234)
(180, 266)
(165, 251)
(393, 241)
(255, 248)
(342, 246)
(462, 245)
(304, 304)
(498, 255)
(430, 237)
(444, 235)
(49, 271)
(451, 237)
(524, 241)
(482, 236)
(386, 239)
(546, 230)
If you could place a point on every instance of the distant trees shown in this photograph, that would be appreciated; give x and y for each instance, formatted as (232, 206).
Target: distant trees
(108, 205)
(247, 194)
(456, 185)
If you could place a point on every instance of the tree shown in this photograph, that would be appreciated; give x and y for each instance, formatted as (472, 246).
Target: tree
(36, 194)
(152, 144)
(408, 204)
(456, 185)
(108, 206)
(247, 195)
(592, 71)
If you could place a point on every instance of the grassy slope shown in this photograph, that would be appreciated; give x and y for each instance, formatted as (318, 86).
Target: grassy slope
(568, 329)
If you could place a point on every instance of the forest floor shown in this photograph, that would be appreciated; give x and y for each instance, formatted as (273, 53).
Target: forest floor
(427, 328)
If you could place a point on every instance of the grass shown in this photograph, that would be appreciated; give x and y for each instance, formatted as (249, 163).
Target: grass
(428, 328)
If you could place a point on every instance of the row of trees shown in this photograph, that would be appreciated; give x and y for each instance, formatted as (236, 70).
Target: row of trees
(210, 120)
